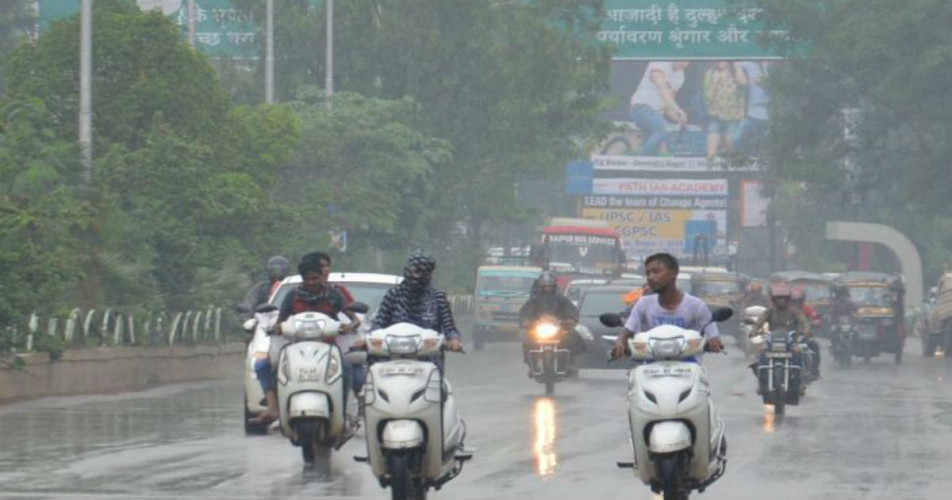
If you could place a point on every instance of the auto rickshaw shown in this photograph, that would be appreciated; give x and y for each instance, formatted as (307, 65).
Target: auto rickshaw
(879, 317)
(722, 289)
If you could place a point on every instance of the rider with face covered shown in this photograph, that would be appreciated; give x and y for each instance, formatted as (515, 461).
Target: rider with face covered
(416, 301)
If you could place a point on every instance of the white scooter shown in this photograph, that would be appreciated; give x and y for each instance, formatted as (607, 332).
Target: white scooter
(676, 436)
(311, 386)
(414, 433)
(258, 347)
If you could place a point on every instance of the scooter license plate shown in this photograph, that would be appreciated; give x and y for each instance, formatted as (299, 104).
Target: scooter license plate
(309, 374)
(779, 354)
(401, 370)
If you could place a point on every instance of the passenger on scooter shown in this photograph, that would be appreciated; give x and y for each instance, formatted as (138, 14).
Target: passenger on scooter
(277, 268)
(416, 301)
(667, 306)
(798, 297)
(313, 295)
(549, 301)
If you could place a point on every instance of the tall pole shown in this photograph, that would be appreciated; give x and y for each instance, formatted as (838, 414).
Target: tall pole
(269, 55)
(329, 77)
(191, 23)
(85, 88)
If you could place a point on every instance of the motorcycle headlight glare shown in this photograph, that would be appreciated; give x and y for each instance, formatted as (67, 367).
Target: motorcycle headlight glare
(545, 331)
(403, 345)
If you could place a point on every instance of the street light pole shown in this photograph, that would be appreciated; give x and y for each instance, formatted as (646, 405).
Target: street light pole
(329, 76)
(85, 88)
(191, 23)
(269, 55)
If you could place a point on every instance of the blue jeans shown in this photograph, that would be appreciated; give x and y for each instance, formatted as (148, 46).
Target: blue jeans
(653, 128)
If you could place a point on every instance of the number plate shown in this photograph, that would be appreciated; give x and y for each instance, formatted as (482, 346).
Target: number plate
(779, 354)
(401, 370)
(309, 374)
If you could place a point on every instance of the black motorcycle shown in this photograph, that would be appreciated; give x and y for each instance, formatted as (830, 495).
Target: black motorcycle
(780, 370)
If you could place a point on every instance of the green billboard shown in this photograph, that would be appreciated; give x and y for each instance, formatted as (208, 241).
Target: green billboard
(684, 30)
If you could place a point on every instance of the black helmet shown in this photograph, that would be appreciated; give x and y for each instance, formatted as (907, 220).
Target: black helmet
(277, 268)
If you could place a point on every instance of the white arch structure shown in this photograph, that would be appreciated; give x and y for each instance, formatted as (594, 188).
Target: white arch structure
(894, 240)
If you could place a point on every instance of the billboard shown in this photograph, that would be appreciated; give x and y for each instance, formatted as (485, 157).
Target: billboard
(687, 79)
(221, 29)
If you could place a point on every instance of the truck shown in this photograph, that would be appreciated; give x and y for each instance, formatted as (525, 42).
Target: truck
(578, 248)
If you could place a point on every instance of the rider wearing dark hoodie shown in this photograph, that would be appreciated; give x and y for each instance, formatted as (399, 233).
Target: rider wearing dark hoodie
(416, 301)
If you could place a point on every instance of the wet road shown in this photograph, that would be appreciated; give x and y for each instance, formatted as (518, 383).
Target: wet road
(871, 432)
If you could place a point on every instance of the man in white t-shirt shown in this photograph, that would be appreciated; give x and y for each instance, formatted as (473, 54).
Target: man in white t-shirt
(654, 100)
(668, 306)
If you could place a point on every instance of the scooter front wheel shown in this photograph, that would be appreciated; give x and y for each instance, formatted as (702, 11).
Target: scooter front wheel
(669, 468)
(310, 434)
(403, 484)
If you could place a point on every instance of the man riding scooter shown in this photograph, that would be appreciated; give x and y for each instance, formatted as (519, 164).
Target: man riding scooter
(549, 301)
(277, 268)
(314, 294)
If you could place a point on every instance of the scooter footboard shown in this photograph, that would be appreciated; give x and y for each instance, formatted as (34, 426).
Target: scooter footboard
(402, 435)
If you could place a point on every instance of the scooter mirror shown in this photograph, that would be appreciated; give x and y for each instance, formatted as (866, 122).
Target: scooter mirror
(359, 307)
(722, 314)
(612, 320)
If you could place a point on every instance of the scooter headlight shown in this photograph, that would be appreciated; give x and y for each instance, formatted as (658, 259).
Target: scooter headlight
(403, 345)
(333, 369)
(546, 331)
(667, 348)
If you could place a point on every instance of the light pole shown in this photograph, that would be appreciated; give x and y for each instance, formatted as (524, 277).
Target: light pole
(191, 23)
(269, 55)
(85, 88)
(329, 76)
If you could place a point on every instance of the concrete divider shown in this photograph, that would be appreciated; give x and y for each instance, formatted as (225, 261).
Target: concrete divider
(116, 369)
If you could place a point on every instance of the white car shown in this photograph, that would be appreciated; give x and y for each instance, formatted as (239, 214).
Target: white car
(368, 288)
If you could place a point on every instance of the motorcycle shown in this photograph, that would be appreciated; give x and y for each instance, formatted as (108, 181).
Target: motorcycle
(840, 339)
(311, 386)
(414, 432)
(780, 369)
(547, 357)
(676, 435)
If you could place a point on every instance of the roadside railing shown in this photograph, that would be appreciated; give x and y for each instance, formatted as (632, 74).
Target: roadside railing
(115, 327)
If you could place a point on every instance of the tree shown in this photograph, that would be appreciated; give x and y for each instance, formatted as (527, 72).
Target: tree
(182, 180)
(881, 64)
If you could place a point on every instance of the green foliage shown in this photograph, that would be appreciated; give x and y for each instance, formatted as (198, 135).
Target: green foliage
(888, 61)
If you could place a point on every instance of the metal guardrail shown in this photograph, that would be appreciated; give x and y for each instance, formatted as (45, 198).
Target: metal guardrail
(109, 327)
